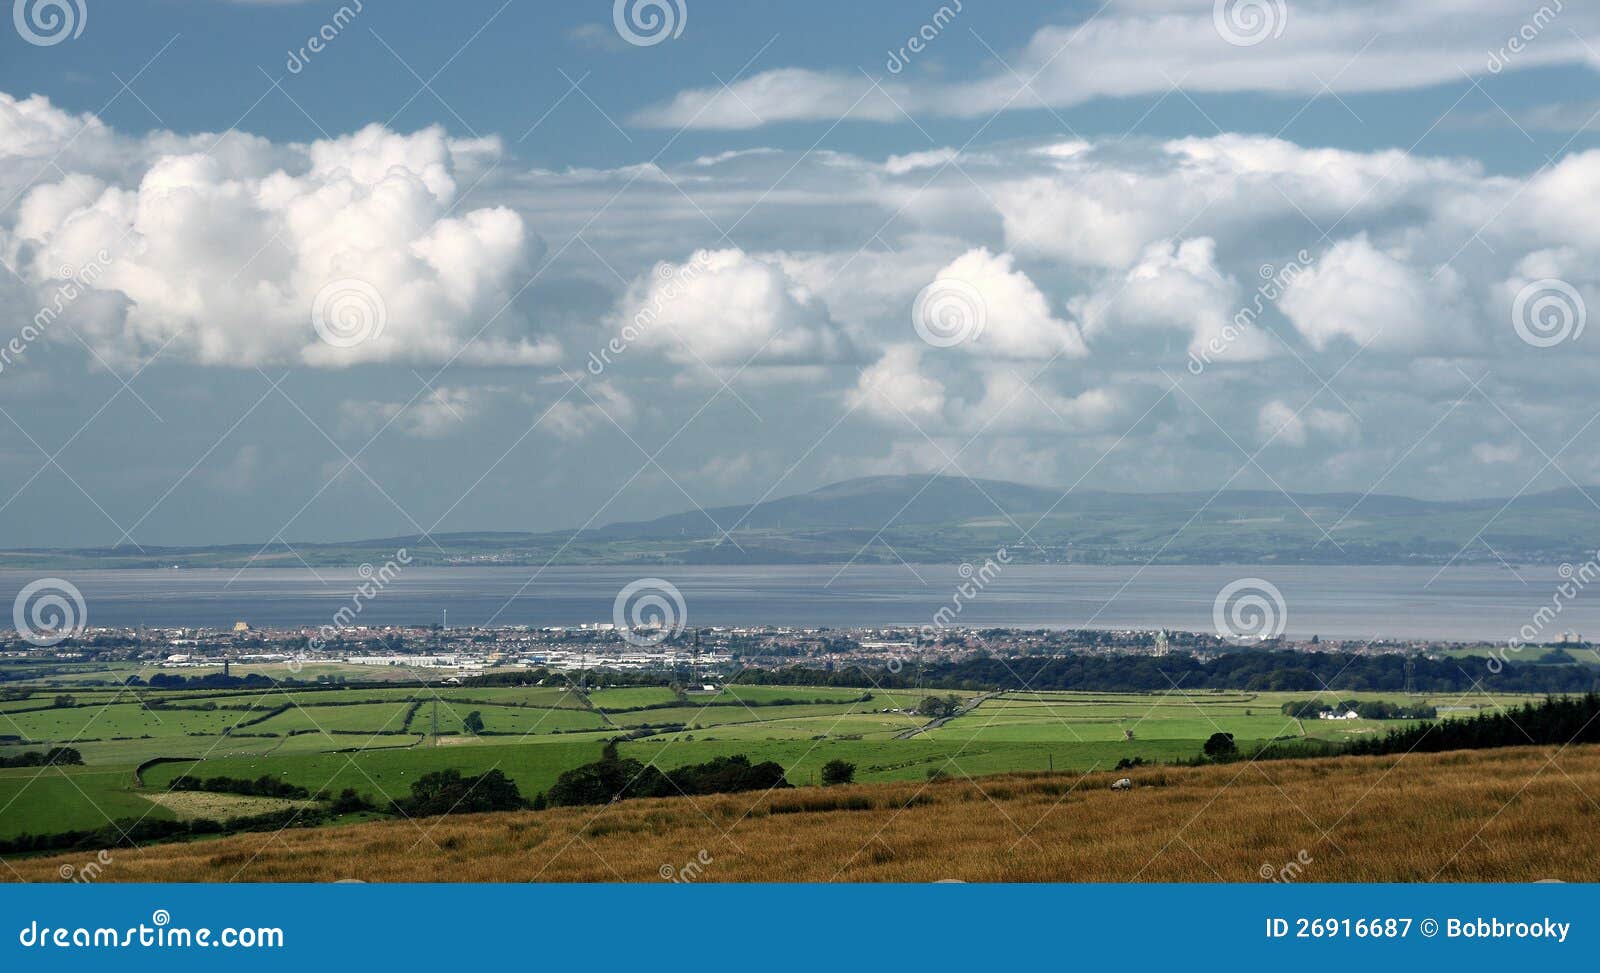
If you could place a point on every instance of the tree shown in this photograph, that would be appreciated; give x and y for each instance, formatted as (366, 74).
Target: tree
(349, 801)
(64, 702)
(838, 772)
(938, 707)
(447, 792)
(473, 722)
(1220, 746)
(611, 778)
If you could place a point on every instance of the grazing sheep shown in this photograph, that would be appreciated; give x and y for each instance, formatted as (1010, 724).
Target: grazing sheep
(1122, 785)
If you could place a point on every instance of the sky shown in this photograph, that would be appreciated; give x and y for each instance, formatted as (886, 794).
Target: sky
(316, 271)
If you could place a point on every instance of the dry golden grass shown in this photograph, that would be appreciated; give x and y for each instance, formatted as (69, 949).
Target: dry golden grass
(1505, 815)
(187, 805)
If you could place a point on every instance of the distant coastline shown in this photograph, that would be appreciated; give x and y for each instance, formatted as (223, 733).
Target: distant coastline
(948, 520)
(1467, 603)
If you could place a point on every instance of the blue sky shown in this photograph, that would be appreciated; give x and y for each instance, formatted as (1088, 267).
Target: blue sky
(502, 68)
(1145, 245)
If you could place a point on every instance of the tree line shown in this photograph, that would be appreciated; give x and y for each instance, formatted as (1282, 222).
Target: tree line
(54, 757)
(132, 832)
(616, 778)
(1551, 722)
(1366, 709)
(1255, 671)
(263, 786)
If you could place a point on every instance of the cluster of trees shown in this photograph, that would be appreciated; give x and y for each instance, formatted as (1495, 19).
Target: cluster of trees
(215, 680)
(132, 832)
(54, 757)
(1554, 721)
(1255, 670)
(448, 792)
(1371, 709)
(593, 678)
(263, 786)
(939, 707)
(616, 778)
(865, 697)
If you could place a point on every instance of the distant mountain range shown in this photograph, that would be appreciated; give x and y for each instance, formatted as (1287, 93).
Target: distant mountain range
(944, 519)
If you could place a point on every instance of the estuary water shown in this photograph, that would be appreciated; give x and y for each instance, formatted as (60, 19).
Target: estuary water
(1461, 603)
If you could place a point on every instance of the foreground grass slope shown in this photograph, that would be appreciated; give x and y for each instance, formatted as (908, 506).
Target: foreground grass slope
(1519, 814)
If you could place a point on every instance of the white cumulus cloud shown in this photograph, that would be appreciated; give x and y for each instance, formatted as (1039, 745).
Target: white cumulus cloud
(219, 257)
(726, 308)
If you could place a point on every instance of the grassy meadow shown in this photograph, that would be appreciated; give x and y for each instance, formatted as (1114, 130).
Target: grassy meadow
(379, 739)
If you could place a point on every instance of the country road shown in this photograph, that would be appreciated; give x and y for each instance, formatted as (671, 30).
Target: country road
(941, 721)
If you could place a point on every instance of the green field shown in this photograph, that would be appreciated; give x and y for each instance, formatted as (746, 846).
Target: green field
(380, 739)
